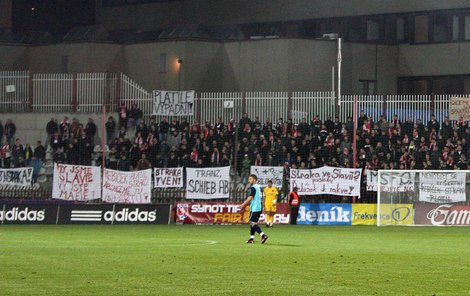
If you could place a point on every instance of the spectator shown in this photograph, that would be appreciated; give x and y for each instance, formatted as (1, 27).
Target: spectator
(28, 154)
(1, 133)
(56, 142)
(110, 130)
(143, 163)
(36, 164)
(90, 131)
(10, 131)
(52, 128)
(39, 151)
(18, 154)
(5, 153)
(164, 128)
(246, 164)
(135, 116)
(123, 163)
(123, 115)
(113, 158)
(64, 130)
(433, 124)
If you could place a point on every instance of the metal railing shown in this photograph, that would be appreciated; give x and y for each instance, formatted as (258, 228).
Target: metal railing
(159, 195)
(22, 91)
(14, 91)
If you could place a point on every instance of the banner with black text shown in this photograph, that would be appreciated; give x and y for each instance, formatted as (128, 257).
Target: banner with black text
(173, 103)
(442, 187)
(372, 180)
(16, 177)
(207, 183)
(266, 173)
(327, 180)
(168, 178)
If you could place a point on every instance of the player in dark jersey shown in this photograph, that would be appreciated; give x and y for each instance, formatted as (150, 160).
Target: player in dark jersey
(255, 199)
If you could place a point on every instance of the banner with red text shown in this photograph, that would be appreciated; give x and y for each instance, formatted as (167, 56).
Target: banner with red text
(127, 187)
(327, 180)
(223, 213)
(76, 182)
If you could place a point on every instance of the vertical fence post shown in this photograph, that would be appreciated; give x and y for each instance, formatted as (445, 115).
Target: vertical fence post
(107, 87)
(74, 93)
(117, 98)
(354, 138)
(433, 103)
(243, 102)
(384, 105)
(198, 106)
(30, 90)
(289, 105)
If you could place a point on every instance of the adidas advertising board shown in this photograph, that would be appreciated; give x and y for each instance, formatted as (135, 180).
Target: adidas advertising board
(114, 214)
(28, 214)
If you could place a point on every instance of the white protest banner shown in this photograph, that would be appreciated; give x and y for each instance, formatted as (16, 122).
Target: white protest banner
(327, 180)
(127, 187)
(173, 103)
(440, 187)
(372, 180)
(459, 107)
(76, 182)
(207, 183)
(397, 182)
(266, 173)
(16, 177)
(167, 178)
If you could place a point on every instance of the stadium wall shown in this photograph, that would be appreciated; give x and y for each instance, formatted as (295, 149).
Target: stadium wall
(434, 59)
(31, 127)
(215, 12)
(82, 58)
(5, 13)
(261, 65)
(13, 57)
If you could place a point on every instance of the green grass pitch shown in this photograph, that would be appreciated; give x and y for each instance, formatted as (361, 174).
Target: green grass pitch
(214, 260)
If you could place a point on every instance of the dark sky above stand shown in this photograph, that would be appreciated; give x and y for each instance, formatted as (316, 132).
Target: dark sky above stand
(55, 16)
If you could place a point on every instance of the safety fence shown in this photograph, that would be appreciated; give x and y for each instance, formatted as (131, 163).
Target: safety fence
(23, 91)
(159, 195)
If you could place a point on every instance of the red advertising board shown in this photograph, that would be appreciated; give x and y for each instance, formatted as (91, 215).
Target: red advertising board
(223, 213)
(442, 214)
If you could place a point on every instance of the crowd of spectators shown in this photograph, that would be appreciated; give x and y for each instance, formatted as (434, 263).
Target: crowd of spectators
(172, 142)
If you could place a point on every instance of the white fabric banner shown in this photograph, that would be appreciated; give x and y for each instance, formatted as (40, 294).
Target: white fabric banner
(207, 183)
(327, 180)
(22, 177)
(127, 187)
(173, 103)
(440, 187)
(397, 182)
(76, 182)
(167, 178)
(266, 173)
(372, 180)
